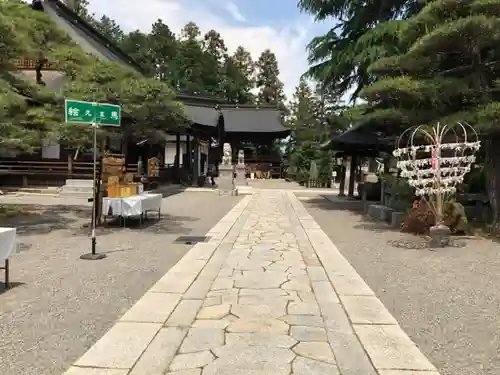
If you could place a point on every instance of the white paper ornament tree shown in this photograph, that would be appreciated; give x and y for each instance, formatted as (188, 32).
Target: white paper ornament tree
(436, 159)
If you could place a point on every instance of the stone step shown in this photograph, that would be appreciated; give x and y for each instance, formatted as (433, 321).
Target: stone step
(76, 189)
(31, 190)
(78, 194)
(78, 182)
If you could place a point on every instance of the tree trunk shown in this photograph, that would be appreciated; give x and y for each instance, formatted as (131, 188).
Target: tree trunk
(492, 166)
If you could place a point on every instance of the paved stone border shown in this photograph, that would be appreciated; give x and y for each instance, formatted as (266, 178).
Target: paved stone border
(270, 294)
(357, 322)
(159, 321)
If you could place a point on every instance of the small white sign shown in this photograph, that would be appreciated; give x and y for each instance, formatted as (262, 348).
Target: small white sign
(334, 174)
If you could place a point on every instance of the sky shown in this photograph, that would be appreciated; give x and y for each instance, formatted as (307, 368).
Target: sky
(256, 24)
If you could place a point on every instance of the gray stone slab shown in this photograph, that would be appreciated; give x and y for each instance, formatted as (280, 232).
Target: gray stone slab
(128, 341)
(258, 324)
(248, 355)
(303, 333)
(277, 309)
(194, 371)
(390, 348)
(367, 310)
(214, 312)
(160, 352)
(215, 324)
(303, 308)
(199, 339)
(152, 307)
(317, 273)
(319, 351)
(212, 301)
(184, 314)
(350, 285)
(94, 371)
(191, 361)
(324, 291)
(350, 355)
(306, 366)
(260, 339)
(407, 372)
(222, 283)
(260, 280)
(297, 286)
(219, 367)
(303, 320)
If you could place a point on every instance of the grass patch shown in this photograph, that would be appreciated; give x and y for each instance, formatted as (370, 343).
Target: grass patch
(8, 211)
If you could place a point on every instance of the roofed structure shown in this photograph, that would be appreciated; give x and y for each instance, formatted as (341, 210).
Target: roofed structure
(211, 114)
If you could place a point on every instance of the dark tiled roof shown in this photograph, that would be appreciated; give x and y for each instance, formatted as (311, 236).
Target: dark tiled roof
(253, 120)
(82, 33)
(207, 116)
(356, 138)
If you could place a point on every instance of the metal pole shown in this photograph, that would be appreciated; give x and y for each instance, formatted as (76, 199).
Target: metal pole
(93, 254)
(94, 192)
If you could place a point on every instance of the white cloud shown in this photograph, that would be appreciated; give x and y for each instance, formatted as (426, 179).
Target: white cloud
(234, 11)
(287, 42)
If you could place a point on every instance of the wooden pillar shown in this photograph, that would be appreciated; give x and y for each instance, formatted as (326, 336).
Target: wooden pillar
(196, 161)
(187, 163)
(177, 158)
(342, 179)
(70, 165)
(352, 176)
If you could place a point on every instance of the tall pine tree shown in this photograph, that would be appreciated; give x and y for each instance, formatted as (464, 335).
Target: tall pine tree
(268, 82)
(239, 77)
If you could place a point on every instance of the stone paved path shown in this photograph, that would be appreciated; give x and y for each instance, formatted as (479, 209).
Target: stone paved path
(268, 294)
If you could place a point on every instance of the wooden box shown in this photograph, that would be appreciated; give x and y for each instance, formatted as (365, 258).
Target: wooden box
(113, 180)
(114, 191)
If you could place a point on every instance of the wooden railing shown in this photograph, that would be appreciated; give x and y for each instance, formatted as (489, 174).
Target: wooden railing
(55, 173)
(50, 168)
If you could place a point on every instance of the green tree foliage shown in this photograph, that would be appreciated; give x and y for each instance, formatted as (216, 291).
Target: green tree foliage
(239, 72)
(215, 54)
(445, 71)
(341, 57)
(26, 110)
(136, 44)
(30, 113)
(160, 48)
(308, 132)
(109, 28)
(191, 64)
(268, 82)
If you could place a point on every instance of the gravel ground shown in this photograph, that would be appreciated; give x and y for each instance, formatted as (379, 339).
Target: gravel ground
(447, 301)
(60, 305)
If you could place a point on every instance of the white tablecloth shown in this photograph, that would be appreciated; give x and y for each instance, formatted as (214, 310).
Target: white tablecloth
(135, 205)
(7, 242)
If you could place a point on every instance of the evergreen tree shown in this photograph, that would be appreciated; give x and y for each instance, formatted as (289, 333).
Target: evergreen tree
(191, 61)
(213, 63)
(164, 50)
(268, 82)
(444, 71)
(136, 45)
(239, 74)
(110, 29)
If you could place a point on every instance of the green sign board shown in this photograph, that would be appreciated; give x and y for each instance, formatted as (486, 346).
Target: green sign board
(80, 112)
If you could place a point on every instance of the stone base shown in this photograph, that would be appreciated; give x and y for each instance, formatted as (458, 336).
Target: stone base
(226, 185)
(440, 236)
(397, 219)
(232, 192)
(241, 179)
(380, 212)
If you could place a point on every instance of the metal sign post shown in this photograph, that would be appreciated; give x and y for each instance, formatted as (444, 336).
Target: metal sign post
(79, 112)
